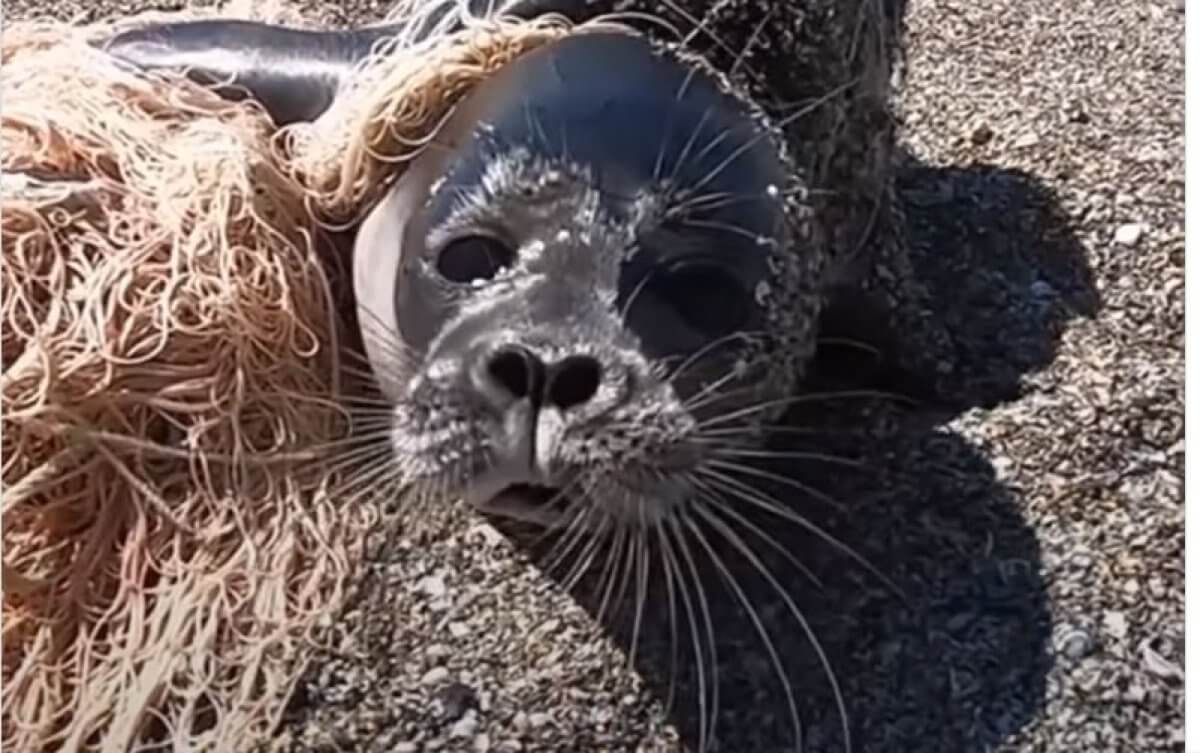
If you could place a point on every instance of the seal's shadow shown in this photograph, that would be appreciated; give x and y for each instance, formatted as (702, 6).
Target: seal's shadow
(956, 661)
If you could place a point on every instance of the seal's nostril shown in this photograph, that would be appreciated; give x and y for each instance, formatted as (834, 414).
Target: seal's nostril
(574, 381)
(517, 370)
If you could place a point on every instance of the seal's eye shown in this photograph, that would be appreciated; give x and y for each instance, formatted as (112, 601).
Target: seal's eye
(474, 257)
(706, 295)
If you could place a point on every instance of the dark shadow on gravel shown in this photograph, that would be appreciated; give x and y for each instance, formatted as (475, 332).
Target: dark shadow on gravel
(958, 662)
(1006, 272)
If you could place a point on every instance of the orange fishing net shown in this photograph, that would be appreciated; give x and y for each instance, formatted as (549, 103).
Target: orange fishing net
(170, 349)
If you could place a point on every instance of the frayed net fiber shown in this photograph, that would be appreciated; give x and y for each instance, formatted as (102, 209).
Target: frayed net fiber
(170, 345)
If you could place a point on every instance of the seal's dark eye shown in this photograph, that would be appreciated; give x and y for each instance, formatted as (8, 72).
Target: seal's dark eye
(475, 257)
(706, 295)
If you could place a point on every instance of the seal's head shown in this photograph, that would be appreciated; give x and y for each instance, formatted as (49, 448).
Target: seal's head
(596, 270)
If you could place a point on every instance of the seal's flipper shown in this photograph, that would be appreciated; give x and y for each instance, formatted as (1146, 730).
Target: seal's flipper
(295, 73)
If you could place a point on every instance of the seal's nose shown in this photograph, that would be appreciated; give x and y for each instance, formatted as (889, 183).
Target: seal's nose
(573, 381)
(517, 372)
(514, 372)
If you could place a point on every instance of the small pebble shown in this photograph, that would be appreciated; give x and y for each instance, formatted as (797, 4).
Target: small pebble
(1026, 140)
(433, 585)
(435, 676)
(1158, 665)
(1042, 289)
(1129, 234)
(1116, 625)
(1077, 644)
(539, 720)
(981, 133)
(405, 747)
(1136, 693)
(465, 727)
(482, 744)
(521, 722)
(458, 629)
(456, 699)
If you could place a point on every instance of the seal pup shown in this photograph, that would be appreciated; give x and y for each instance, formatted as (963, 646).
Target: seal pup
(608, 271)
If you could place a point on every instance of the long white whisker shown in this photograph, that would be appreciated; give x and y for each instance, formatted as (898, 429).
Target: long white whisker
(718, 505)
(758, 499)
(792, 455)
(758, 565)
(710, 633)
(761, 629)
(671, 559)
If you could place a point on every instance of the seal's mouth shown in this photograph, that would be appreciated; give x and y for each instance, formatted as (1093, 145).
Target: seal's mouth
(535, 495)
(524, 501)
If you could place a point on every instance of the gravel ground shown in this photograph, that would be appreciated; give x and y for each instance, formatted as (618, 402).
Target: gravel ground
(1037, 537)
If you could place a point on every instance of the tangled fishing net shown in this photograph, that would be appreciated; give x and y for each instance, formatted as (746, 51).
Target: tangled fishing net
(172, 326)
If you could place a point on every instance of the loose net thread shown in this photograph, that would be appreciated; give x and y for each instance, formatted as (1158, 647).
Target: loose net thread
(170, 340)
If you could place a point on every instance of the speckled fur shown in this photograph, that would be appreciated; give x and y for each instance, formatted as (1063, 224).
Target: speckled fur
(835, 60)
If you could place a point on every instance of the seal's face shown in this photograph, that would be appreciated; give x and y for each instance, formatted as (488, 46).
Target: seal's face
(584, 283)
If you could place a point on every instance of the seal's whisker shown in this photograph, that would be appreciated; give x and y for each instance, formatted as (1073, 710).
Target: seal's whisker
(756, 562)
(617, 544)
(849, 342)
(718, 505)
(384, 337)
(579, 510)
(804, 431)
(763, 634)
(695, 357)
(805, 398)
(698, 26)
(375, 468)
(757, 498)
(783, 123)
(741, 56)
(713, 143)
(363, 371)
(598, 536)
(711, 202)
(337, 450)
(642, 574)
(368, 411)
(617, 17)
(705, 612)
(672, 608)
(632, 536)
(574, 536)
(341, 456)
(390, 339)
(624, 315)
(711, 396)
(748, 470)
(681, 160)
(672, 561)
(721, 226)
(364, 406)
(662, 146)
(820, 457)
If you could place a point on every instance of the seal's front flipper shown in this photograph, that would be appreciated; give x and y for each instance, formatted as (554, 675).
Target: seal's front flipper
(294, 73)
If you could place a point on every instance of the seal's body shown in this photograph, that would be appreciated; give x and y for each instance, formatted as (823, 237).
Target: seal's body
(618, 248)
